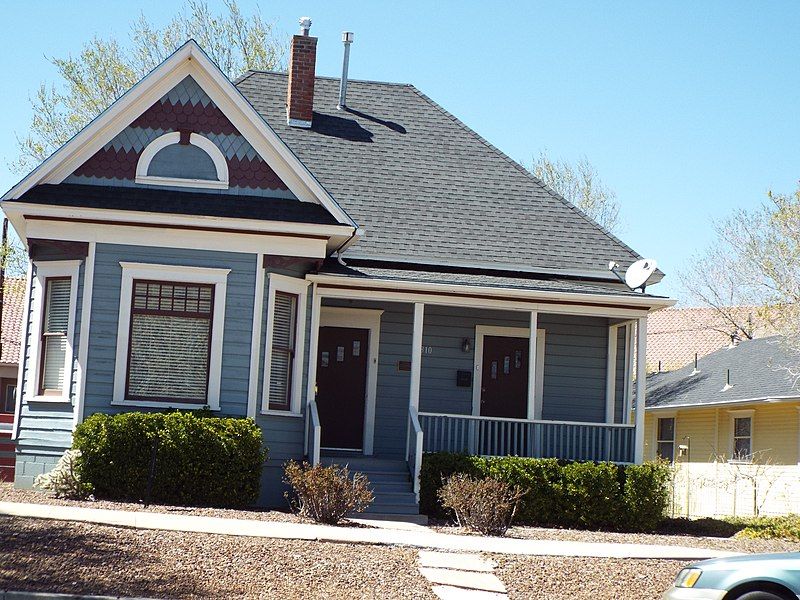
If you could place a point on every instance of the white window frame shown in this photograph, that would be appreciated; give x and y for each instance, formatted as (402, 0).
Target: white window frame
(179, 274)
(169, 139)
(742, 414)
(44, 271)
(674, 418)
(534, 404)
(298, 287)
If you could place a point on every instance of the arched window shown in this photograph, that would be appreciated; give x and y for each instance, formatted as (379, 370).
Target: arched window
(183, 159)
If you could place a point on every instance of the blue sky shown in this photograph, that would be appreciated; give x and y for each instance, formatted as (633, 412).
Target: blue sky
(688, 110)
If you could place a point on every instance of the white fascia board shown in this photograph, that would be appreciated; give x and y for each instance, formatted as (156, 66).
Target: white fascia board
(746, 401)
(16, 211)
(645, 302)
(189, 59)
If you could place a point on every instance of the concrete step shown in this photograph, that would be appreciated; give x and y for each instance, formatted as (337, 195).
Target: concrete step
(393, 509)
(406, 497)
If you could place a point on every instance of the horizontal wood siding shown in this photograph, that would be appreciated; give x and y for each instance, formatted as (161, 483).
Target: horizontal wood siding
(619, 389)
(574, 367)
(105, 314)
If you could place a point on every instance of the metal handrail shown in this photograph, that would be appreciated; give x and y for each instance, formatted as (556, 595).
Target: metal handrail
(315, 433)
(415, 430)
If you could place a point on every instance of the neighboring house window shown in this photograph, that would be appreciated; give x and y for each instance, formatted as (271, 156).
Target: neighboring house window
(53, 292)
(170, 335)
(9, 396)
(665, 442)
(183, 159)
(742, 438)
(286, 307)
(170, 341)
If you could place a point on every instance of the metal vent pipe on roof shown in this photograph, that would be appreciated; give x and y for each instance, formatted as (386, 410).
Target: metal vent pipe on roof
(347, 39)
(305, 25)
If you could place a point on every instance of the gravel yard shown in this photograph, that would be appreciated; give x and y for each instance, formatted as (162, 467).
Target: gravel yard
(80, 558)
(554, 578)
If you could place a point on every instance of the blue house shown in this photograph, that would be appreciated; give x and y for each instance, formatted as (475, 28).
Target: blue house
(362, 274)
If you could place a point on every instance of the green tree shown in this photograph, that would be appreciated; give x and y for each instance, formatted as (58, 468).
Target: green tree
(105, 68)
(580, 183)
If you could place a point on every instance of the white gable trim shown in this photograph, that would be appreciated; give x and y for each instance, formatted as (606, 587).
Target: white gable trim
(170, 139)
(187, 60)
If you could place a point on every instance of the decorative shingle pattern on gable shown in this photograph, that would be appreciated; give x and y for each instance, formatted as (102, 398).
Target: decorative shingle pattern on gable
(425, 186)
(758, 369)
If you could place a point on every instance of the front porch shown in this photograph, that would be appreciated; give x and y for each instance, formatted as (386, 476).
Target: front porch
(455, 374)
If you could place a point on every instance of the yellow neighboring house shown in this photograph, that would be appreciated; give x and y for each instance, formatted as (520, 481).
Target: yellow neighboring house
(732, 427)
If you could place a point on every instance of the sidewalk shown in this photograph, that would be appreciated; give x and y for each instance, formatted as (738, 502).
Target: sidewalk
(383, 533)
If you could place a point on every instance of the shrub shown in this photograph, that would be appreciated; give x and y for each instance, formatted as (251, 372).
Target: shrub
(326, 494)
(200, 459)
(560, 494)
(484, 505)
(784, 527)
(65, 480)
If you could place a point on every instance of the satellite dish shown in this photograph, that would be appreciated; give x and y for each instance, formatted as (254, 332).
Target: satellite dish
(639, 272)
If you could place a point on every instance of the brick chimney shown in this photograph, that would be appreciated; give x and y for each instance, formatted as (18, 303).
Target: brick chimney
(302, 62)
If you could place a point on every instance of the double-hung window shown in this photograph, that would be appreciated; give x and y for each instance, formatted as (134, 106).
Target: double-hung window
(286, 307)
(53, 293)
(665, 438)
(169, 339)
(742, 438)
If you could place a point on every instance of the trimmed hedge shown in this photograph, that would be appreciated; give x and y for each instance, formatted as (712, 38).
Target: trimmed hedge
(200, 460)
(581, 495)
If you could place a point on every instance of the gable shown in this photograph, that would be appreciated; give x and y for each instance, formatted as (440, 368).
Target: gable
(185, 109)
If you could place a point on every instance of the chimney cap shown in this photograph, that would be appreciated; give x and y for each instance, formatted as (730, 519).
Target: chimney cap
(305, 25)
(347, 37)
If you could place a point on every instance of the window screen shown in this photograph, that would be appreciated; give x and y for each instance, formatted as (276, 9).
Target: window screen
(54, 334)
(284, 327)
(170, 341)
(742, 438)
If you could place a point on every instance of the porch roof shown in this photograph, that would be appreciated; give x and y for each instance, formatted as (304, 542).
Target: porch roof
(361, 273)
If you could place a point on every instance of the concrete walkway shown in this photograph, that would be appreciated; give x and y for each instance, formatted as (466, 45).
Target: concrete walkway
(384, 534)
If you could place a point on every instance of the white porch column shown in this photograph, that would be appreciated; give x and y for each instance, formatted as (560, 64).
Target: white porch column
(311, 390)
(533, 409)
(611, 373)
(641, 386)
(416, 355)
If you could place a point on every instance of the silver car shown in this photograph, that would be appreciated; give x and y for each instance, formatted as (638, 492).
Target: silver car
(745, 577)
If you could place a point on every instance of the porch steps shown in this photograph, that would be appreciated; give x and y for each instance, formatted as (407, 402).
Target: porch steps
(389, 479)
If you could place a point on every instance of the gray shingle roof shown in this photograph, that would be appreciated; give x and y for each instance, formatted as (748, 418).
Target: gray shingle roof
(416, 273)
(426, 187)
(758, 370)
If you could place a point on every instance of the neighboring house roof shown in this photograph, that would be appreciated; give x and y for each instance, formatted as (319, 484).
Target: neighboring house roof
(759, 369)
(675, 335)
(427, 188)
(13, 301)
(180, 202)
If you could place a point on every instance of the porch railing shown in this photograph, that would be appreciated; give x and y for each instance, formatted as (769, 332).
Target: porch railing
(492, 436)
(414, 448)
(314, 433)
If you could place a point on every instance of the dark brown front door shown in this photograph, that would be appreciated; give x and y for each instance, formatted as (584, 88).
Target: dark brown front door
(504, 377)
(342, 386)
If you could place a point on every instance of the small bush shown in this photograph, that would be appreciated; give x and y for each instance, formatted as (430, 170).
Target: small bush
(484, 505)
(326, 494)
(65, 480)
(785, 527)
(200, 459)
(560, 494)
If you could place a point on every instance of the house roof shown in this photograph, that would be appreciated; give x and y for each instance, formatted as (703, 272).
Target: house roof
(758, 370)
(13, 301)
(675, 335)
(429, 189)
(178, 202)
(372, 270)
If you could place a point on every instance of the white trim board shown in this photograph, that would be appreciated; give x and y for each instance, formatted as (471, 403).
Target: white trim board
(23, 359)
(43, 271)
(188, 60)
(171, 139)
(299, 287)
(255, 340)
(534, 410)
(360, 318)
(83, 343)
(183, 274)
